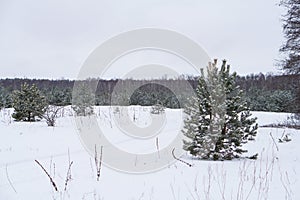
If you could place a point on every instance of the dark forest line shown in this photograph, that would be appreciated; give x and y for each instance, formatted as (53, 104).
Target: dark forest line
(276, 93)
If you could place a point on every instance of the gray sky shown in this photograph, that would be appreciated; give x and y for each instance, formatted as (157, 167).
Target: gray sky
(51, 39)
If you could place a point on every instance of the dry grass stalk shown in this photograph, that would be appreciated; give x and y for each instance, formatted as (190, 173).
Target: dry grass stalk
(98, 162)
(68, 177)
(10, 182)
(182, 161)
(50, 178)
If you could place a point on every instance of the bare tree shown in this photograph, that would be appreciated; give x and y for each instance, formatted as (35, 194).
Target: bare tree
(51, 115)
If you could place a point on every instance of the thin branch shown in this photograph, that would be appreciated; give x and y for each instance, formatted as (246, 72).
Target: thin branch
(10, 183)
(70, 163)
(98, 163)
(157, 147)
(51, 179)
(173, 192)
(274, 141)
(68, 177)
(188, 164)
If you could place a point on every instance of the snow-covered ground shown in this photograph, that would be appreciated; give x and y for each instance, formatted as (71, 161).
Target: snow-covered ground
(274, 175)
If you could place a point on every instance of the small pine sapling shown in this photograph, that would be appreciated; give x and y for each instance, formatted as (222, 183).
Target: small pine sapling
(218, 121)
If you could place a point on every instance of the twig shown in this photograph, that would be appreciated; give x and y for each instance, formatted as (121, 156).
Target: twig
(207, 192)
(274, 141)
(70, 163)
(51, 180)
(10, 183)
(92, 167)
(191, 194)
(68, 177)
(173, 192)
(135, 160)
(196, 188)
(50, 166)
(98, 163)
(157, 147)
(223, 179)
(253, 182)
(188, 164)
(283, 134)
(53, 170)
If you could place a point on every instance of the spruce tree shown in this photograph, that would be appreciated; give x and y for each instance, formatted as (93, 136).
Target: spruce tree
(291, 47)
(2, 98)
(5, 98)
(157, 109)
(291, 30)
(28, 103)
(83, 99)
(218, 120)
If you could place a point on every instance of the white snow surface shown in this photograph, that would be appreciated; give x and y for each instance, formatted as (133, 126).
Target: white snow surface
(274, 175)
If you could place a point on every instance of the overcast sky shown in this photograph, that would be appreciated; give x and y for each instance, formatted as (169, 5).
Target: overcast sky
(52, 39)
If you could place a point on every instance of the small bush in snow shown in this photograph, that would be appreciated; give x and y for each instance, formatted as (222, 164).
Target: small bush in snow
(51, 115)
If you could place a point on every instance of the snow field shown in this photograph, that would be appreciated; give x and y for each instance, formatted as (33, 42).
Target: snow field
(274, 175)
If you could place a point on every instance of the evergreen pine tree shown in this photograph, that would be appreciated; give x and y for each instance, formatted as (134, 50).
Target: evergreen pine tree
(28, 103)
(291, 30)
(218, 120)
(5, 98)
(83, 99)
(157, 109)
(2, 98)
(59, 97)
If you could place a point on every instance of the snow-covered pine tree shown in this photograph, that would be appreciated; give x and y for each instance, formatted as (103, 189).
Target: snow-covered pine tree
(291, 31)
(2, 99)
(218, 120)
(294, 121)
(157, 108)
(5, 98)
(297, 120)
(28, 103)
(83, 99)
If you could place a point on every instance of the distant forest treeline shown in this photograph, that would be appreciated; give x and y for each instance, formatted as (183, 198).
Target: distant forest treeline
(277, 93)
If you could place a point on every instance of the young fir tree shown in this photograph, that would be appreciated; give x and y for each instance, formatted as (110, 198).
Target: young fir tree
(83, 99)
(291, 31)
(218, 120)
(5, 98)
(28, 103)
(2, 98)
(157, 109)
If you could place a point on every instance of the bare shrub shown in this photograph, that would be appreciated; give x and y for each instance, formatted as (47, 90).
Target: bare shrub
(51, 115)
